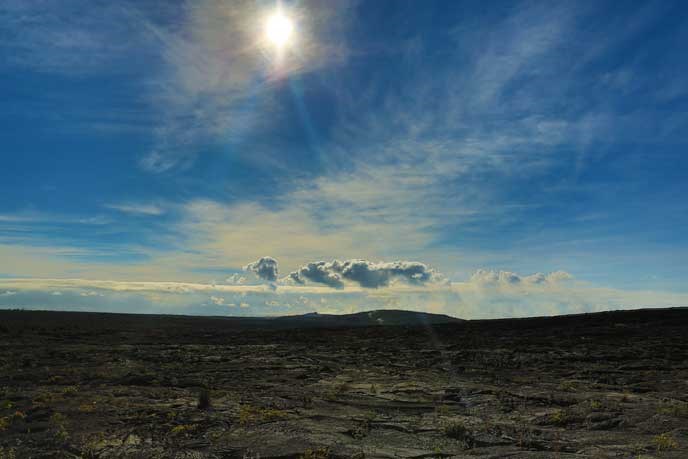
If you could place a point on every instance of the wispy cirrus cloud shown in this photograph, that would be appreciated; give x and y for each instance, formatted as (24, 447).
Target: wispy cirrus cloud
(216, 83)
(137, 208)
(71, 37)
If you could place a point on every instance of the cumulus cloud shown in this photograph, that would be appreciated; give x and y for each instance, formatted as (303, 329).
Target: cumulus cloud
(557, 276)
(266, 268)
(217, 300)
(321, 272)
(366, 274)
(236, 279)
(492, 277)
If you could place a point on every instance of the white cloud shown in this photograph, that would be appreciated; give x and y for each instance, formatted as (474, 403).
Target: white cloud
(507, 278)
(138, 209)
(67, 37)
(217, 300)
(236, 279)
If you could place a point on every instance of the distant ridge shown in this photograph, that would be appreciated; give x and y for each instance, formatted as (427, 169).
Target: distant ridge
(132, 322)
(395, 317)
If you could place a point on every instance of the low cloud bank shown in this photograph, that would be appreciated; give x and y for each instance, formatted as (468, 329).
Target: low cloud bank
(487, 294)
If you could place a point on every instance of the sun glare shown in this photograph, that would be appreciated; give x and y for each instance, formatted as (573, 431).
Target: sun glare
(279, 29)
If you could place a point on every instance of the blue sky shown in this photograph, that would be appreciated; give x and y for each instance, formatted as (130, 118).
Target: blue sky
(150, 142)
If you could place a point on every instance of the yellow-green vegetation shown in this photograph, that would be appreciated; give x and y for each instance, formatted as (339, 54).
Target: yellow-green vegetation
(567, 386)
(665, 442)
(216, 435)
(524, 436)
(44, 398)
(92, 443)
(6, 421)
(595, 405)
(183, 429)
(70, 390)
(558, 417)
(249, 414)
(362, 427)
(336, 390)
(320, 453)
(58, 422)
(7, 453)
(6, 404)
(442, 410)
(87, 407)
(676, 409)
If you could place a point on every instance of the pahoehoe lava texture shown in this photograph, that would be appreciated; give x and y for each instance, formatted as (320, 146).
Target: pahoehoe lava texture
(607, 385)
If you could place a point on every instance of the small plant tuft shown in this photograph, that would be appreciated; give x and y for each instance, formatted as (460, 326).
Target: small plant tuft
(595, 405)
(183, 429)
(320, 453)
(254, 415)
(665, 442)
(58, 421)
(676, 409)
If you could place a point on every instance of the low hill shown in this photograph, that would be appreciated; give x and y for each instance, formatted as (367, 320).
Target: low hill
(369, 318)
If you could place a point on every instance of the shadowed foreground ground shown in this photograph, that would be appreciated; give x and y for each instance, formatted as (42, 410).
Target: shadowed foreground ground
(611, 385)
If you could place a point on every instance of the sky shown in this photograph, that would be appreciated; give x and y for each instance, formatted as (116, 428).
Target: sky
(474, 158)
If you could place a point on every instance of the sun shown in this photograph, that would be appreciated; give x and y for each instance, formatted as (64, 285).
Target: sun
(279, 29)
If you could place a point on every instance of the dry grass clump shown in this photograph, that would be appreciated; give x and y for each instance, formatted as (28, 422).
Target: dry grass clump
(665, 442)
(255, 415)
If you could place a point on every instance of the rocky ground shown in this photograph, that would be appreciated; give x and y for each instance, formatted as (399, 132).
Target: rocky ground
(611, 385)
